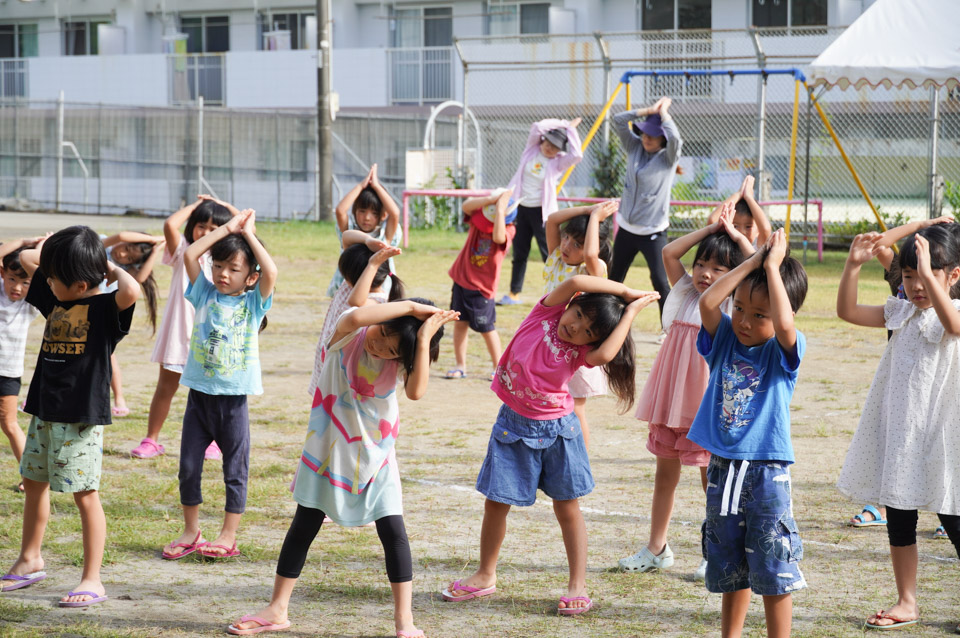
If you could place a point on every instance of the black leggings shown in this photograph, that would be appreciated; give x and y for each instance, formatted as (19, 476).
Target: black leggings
(306, 523)
(529, 225)
(626, 246)
(902, 527)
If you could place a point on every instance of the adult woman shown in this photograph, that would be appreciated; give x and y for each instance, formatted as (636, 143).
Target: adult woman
(653, 150)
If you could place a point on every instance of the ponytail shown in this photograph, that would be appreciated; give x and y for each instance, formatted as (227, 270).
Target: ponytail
(605, 312)
(396, 288)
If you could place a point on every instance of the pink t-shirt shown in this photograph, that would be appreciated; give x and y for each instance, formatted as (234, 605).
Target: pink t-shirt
(533, 372)
(173, 335)
(477, 267)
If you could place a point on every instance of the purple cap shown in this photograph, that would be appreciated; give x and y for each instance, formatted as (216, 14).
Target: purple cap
(650, 126)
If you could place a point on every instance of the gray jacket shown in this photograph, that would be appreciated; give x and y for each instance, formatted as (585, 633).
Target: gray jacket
(648, 179)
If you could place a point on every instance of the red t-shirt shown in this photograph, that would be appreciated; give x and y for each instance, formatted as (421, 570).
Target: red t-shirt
(477, 267)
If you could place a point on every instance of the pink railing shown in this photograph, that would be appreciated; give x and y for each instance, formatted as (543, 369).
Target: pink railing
(450, 192)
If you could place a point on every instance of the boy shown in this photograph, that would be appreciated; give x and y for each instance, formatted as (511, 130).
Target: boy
(748, 218)
(69, 396)
(750, 538)
(475, 274)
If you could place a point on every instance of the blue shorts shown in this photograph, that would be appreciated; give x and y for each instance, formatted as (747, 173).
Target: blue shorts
(753, 540)
(526, 454)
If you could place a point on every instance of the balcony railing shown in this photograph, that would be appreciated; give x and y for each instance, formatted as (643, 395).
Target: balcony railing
(196, 75)
(420, 75)
(13, 79)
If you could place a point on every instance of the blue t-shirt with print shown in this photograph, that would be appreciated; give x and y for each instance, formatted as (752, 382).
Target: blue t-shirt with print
(224, 355)
(745, 412)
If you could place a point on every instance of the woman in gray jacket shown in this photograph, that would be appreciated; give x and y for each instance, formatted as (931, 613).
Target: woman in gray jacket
(653, 150)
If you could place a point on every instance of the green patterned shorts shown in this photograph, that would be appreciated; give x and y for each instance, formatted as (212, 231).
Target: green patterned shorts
(68, 456)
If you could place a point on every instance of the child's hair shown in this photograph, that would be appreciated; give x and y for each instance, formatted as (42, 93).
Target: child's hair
(605, 311)
(791, 272)
(354, 260)
(207, 211)
(742, 208)
(576, 227)
(226, 248)
(721, 248)
(944, 250)
(151, 292)
(368, 200)
(406, 328)
(11, 263)
(74, 254)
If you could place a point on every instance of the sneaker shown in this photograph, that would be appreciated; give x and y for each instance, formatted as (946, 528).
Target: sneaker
(213, 452)
(645, 561)
(701, 573)
(509, 300)
(147, 449)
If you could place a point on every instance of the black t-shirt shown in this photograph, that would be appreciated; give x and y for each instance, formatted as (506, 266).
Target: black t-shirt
(71, 382)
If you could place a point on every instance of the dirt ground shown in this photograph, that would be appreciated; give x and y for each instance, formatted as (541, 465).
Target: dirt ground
(344, 591)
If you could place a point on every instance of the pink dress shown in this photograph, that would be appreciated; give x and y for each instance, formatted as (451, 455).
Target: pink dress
(173, 335)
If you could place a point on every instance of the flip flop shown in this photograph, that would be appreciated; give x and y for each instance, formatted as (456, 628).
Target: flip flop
(574, 611)
(455, 373)
(120, 412)
(897, 622)
(472, 592)
(940, 533)
(20, 582)
(861, 521)
(96, 598)
(263, 625)
(228, 552)
(416, 633)
(189, 548)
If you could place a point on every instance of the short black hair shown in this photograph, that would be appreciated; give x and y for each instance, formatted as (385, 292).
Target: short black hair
(720, 247)
(207, 211)
(742, 208)
(576, 227)
(794, 280)
(11, 263)
(354, 260)
(73, 255)
(226, 248)
(407, 328)
(944, 247)
(368, 200)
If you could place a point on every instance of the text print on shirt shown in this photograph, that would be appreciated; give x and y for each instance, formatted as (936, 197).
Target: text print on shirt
(66, 330)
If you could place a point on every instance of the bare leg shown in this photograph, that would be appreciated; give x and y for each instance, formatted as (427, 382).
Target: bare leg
(492, 531)
(779, 613)
(492, 339)
(8, 422)
(94, 537)
(167, 385)
(116, 384)
(703, 479)
(228, 534)
(403, 606)
(276, 611)
(191, 526)
(580, 409)
(734, 613)
(575, 541)
(460, 329)
(664, 489)
(905, 560)
(36, 513)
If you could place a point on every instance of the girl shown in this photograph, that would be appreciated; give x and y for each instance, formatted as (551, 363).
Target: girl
(348, 469)
(553, 146)
(903, 454)
(369, 208)
(679, 377)
(222, 368)
(364, 273)
(581, 248)
(137, 253)
(202, 216)
(536, 440)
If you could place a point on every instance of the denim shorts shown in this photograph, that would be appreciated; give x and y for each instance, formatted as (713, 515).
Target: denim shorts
(749, 537)
(526, 454)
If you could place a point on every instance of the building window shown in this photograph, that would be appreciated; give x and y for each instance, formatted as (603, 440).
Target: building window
(295, 23)
(422, 27)
(206, 34)
(518, 18)
(789, 13)
(80, 38)
(677, 14)
(18, 40)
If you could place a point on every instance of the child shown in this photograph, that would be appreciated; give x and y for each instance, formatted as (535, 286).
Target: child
(750, 538)
(15, 317)
(903, 454)
(69, 396)
(369, 208)
(137, 253)
(202, 217)
(553, 146)
(679, 377)
(581, 248)
(536, 440)
(222, 368)
(475, 275)
(348, 468)
(749, 219)
(358, 265)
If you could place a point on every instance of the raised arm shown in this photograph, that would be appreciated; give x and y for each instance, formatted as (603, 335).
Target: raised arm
(345, 207)
(191, 258)
(361, 289)
(8, 247)
(781, 313)
(552, 226)
(722, 288)
(567, 288)
(673, 252)
(862, 250)
(500, 218)
(268, 269)
(378, 313)
(939, 298)
(415, 385)
(128, 289)
(351, 237)
(591, 241)
(670, 131)
(142, 272)
(390, 206)
(473, 204)
(606, 351)
(171, 226)
(764, 229)
(130, 237)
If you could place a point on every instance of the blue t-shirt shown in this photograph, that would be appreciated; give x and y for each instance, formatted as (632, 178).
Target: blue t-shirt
(745, 412)
(224, 355)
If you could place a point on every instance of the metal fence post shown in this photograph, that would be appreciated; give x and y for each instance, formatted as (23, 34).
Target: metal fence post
(607, 70)
(276, 159)
(935, 184)
(16, 149)
(59, 150)
(99, 157)
(199, 144)
(761, 113)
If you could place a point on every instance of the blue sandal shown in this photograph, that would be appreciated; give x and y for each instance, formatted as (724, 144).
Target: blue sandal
(861, 521)
(941, 533)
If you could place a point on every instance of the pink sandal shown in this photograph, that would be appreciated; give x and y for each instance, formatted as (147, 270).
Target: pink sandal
(574, 611)
(262, 625)
(189, 548)
(472, 592)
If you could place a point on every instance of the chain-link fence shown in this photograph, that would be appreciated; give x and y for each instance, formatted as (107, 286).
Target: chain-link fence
(117, 158)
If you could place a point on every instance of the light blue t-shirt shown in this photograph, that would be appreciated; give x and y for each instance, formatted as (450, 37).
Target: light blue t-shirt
(745, 412)
(224, 355)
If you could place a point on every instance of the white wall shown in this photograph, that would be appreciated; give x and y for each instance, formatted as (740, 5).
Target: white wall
(116, 79)
(271, 79)
(360, 76)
